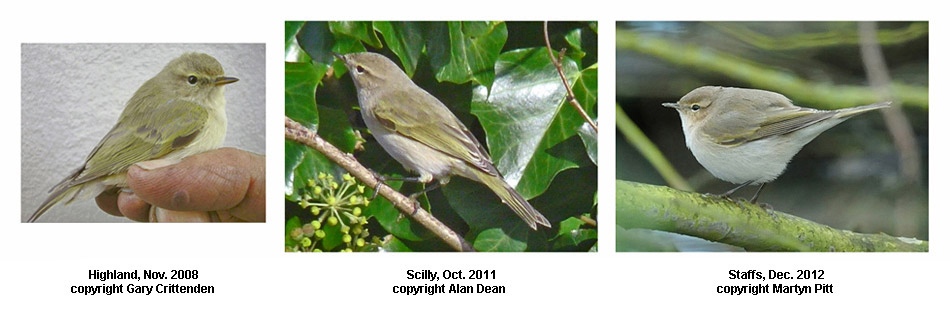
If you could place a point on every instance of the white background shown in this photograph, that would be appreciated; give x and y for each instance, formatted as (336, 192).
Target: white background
(257, 283)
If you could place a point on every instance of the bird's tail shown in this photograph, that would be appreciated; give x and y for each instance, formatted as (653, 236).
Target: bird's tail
(57, 196)
(514, 200)
(849, 112)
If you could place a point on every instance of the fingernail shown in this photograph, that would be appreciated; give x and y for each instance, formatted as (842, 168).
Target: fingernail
(157, 163)
(163, 215)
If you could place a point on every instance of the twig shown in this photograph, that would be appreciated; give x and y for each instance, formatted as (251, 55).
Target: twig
(638, 140)
(905, 143)
(296, 132)
(757, 75)
(589, 221)
(741, 223)
(560, 71)
(894, 118)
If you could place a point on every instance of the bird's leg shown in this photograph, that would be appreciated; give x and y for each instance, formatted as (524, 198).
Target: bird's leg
(383, 178)
(756, 195)
(729, 192)
(429, 187)
(768, 208)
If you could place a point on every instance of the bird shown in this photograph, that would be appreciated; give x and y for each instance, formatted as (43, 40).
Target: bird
(748, 136)
(177, 113)
(423, 135)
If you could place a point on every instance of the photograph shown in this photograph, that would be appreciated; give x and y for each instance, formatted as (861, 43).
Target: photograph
(142, 132)
(772, 136)
(440, 136)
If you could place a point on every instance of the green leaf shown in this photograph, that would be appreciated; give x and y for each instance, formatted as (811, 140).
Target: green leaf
(573, 39)
(292, 50)
(302, 163)
(526, 118)
(315, 39)
(590, 140)
(390, 219)
(465, 51)
(300, 85)
(496, 240)
(479, 206)
(335, 127)
(290, 31)
(571, 234)
(405, 39)
(393, 244)
(360, 30)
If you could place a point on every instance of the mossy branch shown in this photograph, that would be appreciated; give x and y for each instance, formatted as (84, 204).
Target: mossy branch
(296, 132)
(844, 34)
(741, 223)
(823, 95)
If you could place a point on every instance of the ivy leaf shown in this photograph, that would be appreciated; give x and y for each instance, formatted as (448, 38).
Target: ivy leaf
(315, 39)
(405, 39)
(573, 39)
(465, 51)
(335, 127)
(393, 244)
(302, 163)
(496, 240)
(570, 234)
(590, 140)
(292, 50)
(390, 219)
(360, 30)
(527, 117)
(301, 80)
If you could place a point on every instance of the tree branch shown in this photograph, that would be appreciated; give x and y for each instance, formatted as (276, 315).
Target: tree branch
(761, 76)
(741, 223)
(895, 120)
(560, 71)
(296, 132)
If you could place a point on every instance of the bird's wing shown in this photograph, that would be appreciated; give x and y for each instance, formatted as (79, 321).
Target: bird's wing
(435, 127)
(740, 127)
(150, 133)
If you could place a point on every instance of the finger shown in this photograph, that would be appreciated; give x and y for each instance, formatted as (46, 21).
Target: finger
(163, 215)
(215, 180)
(107, 202)
(133, 207)
(252, 206)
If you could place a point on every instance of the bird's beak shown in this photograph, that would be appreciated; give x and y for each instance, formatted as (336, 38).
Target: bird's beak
(224, 81)
(672, 105)
(339, 56)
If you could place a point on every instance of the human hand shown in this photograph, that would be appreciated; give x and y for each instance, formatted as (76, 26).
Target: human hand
(228, 182)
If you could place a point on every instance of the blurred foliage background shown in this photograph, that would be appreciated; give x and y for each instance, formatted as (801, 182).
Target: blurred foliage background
(498, 80)
(863, 175)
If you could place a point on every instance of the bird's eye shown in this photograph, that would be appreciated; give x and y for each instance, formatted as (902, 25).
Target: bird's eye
(359, 69)
(192, 80)
(695, 107)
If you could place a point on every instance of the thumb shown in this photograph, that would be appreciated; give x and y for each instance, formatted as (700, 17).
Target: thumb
(210, 181)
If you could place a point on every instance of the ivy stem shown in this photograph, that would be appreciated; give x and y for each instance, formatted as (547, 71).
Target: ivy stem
(560, 71)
